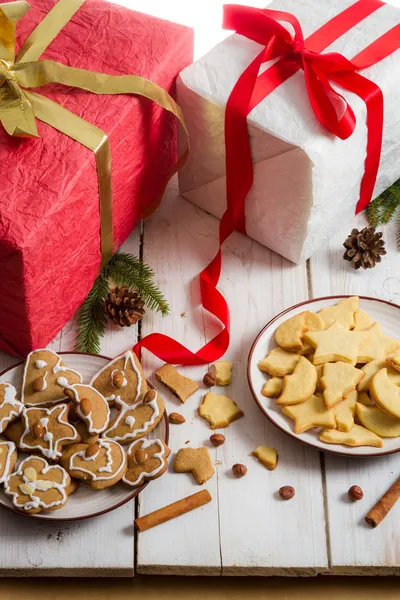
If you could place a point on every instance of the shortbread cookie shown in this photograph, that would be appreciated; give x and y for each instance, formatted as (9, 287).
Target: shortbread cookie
(272, 387)
(336, 344)
(364, 398)
(362, 320)
(343, 312)
(313, 323)
(219, 410)
(289, 334)
(121, 379)
(45, 377)
(38, 486)
(279, 362)
(377, 346)
(385, 393)
(147, 460)
(267, 456)
(300, 385)
(338, 380)
(357, 436)
(374, 419)
(371, 368)
(196, 461)
(182, 387)
(101, 465)
(135, 421)
(223, 372)
(10, 407)
(344, 412)
(8, 459)
(309, 414)
(394, 361)
(91, 406)
(47, 430)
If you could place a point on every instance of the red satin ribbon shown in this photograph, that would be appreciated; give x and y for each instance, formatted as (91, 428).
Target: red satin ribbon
(330, 108)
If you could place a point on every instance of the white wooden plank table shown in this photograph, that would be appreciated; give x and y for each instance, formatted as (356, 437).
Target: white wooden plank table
(246, 529)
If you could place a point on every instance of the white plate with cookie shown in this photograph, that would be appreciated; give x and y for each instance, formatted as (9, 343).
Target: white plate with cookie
(86, 502)
(327, 373)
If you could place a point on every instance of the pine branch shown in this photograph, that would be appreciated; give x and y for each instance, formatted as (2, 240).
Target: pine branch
(92, 319)
(373, 212)
(382, 209)
(398, 231)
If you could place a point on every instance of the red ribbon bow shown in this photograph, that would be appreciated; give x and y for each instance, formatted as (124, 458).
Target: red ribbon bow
(330, 108)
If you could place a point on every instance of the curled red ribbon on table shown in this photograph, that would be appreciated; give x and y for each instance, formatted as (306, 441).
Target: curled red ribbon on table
(293, 53)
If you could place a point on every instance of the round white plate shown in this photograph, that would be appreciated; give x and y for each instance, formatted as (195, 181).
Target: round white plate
(385, 313)
(86, 502)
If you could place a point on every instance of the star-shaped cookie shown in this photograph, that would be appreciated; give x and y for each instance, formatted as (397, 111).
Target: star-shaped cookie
(309, 414)
(343, 312)
(336, 344)
(377, 346)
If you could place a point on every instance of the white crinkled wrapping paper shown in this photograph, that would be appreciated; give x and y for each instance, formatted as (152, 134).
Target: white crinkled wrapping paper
(306, 180)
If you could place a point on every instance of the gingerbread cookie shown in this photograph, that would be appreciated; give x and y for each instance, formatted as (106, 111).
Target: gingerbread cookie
(121, 379)
(91, 406)
(336, 344)
(357, 436)
(101, 465)
(300, 385)
(219, 410)
(267, 456)
(45, 377)
(135, 421)
(38, 486)
(10, 407)
(343, 312)
(182, 387)
(147, 460)
(47, 430)
(385, 393)
(309, 414)
(279, 362)
(338, 380)
(196, 461)
(8, 459)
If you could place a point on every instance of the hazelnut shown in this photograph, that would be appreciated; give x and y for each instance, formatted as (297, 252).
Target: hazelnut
(69, 393)
(38, 384)
(239, 470)
(118, 379)
(217, 439)
(176, 418)
(85, 406)
(210, 377)
(149, 396)
(355, 493)
(140, 456)
(38, 430)
(286, 492)
(91, 450)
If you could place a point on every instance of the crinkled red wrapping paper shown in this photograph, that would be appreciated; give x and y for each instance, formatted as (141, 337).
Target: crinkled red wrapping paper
(49, 210)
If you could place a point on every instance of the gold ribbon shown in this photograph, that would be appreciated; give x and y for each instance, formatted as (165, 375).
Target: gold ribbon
(19, 107)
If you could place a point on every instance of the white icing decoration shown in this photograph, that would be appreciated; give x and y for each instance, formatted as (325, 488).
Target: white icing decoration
(59, 368)
(10, 398)
(40, 364)
(52, 451)
(63, 382)
(88, 418)
(35, 501)
(128, 358)
(122, 415)
(27, 364)
(10, 449)
(44, 384)
(159, 455)
(107, 444)
(130, 421)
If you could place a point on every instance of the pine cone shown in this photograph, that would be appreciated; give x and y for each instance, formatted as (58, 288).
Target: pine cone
(124, 306)
(364, 248)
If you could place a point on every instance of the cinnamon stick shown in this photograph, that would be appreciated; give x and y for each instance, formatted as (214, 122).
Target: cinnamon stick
(173, 510)
(383, 506)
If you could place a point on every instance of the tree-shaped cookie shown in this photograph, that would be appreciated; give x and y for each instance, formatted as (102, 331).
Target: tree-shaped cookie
(336, 344)
(91, 406)
(45, 377)
(309, 414)
(385, 393)
(377, 346)
(121, 379)
(344, 412)
(38, 486)
(147, 460)
(343, 312)
(300, 385)
(135, 421)
(10, 407)
(338, 380)
(357, 436)
(101, 465)
(8, 459)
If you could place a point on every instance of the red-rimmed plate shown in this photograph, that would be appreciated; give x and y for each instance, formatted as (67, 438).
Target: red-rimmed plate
(385, 313)
(86, 502)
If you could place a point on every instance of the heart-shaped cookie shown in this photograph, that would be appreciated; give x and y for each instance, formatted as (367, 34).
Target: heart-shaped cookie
(45, 377)
(122, 379)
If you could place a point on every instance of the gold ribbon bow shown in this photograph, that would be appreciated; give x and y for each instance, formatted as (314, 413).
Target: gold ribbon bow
(19, 107)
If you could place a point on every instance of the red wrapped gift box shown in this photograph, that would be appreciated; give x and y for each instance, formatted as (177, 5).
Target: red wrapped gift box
(49, 206)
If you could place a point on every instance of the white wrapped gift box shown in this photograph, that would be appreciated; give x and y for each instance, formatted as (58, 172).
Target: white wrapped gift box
(306, 180)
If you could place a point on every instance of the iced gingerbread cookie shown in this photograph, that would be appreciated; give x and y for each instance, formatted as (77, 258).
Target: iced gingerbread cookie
(219, 410)
(357, 436)
(40, 384)
(311, 413)
(385, 393)
(38, 486)
(300, 385)
(377, 346)
(374, 419)
(343, 312)
(338, 380)
(91, 406)
(182, 387)
(8, 459)
(336, 344)
(101, 465)
(135, 421)
(147, 460)
(371, 368)
(196, 461)
(47, 430)
(279, 362)
(121, 379)
(10, 407)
